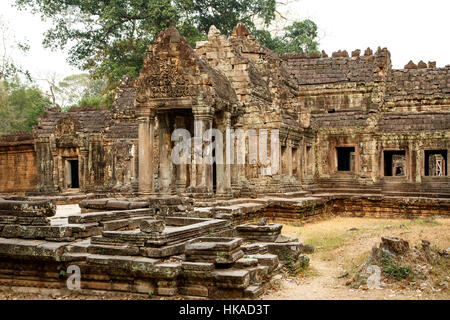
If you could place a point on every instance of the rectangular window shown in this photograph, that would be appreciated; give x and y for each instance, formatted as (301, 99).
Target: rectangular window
(394, 163)
(295, 161)
(284, 163)
(436, 163)
(345, 158)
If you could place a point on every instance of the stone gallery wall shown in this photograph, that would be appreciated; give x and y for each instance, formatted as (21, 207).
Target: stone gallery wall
(345, 121)
(18, 172)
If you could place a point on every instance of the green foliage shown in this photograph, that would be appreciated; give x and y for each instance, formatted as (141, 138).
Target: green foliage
(20, 106)
(392, 269)
(99, 101)
(110, 38)
(299, 37)
(83, 90)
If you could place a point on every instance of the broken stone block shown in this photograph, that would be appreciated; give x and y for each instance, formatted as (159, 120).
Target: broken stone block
(410, 65)
(262, 221)
(356, 53)
(303, 261)
(368, 52)
(421, 65)
(216, 250)
(307, 248)
(152, 225)
(374, 280)
(394, 244)
(42, 208)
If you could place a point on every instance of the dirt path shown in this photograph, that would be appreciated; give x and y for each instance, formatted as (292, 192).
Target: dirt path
(338, 250)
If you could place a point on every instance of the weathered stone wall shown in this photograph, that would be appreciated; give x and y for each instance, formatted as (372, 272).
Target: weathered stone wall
(18, 172)
(418, 90)
(103, 142)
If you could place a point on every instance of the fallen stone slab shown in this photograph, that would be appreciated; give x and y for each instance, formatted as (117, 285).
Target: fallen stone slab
(44, 208)
(213, 244)
(36, 232)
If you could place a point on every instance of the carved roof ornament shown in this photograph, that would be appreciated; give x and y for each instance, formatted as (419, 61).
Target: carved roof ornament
(174, 73)
(240, 30)
(67, 126)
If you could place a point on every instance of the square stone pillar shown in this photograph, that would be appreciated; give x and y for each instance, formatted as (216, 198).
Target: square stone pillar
(166, 172)
(181, 169)
(146, 136)
(289, 157)
(202, 166)
(223, 167)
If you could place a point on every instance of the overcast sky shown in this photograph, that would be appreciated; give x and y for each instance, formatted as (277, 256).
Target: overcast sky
(410, 29)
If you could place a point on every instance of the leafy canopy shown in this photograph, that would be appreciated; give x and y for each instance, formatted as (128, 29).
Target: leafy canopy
(109, 38)
(20, 106)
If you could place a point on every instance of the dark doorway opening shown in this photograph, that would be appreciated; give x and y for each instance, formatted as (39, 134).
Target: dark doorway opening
(345, 158)
(436, 162)
(74, 174)
(394, 163)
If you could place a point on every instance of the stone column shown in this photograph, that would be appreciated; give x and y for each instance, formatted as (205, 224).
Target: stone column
(201, 172)
(146, 134)
(82, 162)
(207, 175)
(289, 157)
(227, 146)
(220, 151)
(166, 172)
(181, 169)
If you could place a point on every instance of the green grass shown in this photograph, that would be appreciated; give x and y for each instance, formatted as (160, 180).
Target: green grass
(327, 242)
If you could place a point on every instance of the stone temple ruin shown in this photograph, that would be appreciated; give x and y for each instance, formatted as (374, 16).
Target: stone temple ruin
(356, 138)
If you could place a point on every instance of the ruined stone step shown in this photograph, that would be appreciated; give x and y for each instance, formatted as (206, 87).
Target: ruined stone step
(109, 215)
(269, 260)
(240, 209)
(253, 291)
(232, 278)
(32, 249)
(123, 250)
(243, 263)
(295, 194)
(36, 232)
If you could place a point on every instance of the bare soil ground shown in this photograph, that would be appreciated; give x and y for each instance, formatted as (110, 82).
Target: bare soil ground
(344, 244)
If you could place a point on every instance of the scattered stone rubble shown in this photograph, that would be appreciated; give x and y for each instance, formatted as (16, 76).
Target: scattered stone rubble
(141, 250)
(395, 262)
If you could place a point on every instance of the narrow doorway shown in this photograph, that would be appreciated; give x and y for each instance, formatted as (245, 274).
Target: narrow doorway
(72, 176)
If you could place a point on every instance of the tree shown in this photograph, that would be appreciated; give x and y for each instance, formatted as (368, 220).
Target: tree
(20, 106)
(299, 37)
(82, 89)
(8, 48)
(110, 37)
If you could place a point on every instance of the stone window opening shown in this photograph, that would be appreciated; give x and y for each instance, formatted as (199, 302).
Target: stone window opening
(345, 159)
(309, 160)
(436, 163)
(284, 163)
(394, 163)
(295, 161)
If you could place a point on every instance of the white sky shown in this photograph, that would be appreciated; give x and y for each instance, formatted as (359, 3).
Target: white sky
(410, 29)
